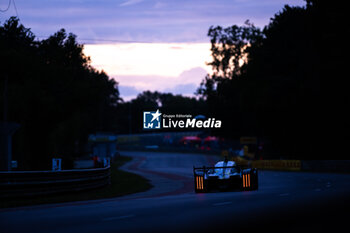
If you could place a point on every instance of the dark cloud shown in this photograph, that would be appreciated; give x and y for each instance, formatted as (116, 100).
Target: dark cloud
(183, 89)
(194, 75)
(128, 92)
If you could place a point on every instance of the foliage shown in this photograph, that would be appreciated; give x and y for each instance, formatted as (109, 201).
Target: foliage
(277, 93)
(229, 47)
(53, 93)
(132, 111)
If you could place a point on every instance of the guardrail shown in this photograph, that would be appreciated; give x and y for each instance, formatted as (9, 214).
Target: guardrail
(286, 165)
(32, 183)
(342, 166)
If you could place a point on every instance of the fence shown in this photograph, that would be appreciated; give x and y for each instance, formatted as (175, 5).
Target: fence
(31, 183)
(286, 165)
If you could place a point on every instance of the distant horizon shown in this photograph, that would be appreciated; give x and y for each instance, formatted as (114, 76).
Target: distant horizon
(175, 68)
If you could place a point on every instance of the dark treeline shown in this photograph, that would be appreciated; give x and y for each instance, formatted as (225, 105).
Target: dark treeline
(53, 93)
(267, 83)
(286, 90)
(59, 99)
(130, 117)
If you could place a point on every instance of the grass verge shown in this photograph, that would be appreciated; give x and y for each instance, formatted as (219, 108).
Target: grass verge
(122, 183)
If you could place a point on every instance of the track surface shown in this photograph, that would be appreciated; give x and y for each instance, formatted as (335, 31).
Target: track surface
(285, 202)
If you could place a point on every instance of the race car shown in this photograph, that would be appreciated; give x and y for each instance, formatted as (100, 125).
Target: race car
(226, 175)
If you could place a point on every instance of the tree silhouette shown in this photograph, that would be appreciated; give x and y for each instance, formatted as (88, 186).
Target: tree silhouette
(129, 114)
(279, 94)
(54, 94)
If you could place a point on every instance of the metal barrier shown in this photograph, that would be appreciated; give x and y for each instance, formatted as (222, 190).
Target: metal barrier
(284, 165)
(32, 183)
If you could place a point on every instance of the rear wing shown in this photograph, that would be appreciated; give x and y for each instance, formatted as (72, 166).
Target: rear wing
(204, 169)
(199, 173)
(249, 177)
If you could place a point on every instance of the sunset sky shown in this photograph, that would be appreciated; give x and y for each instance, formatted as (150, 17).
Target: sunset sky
(144, 44)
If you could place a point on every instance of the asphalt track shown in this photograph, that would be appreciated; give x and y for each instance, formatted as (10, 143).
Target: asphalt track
(285, 202)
